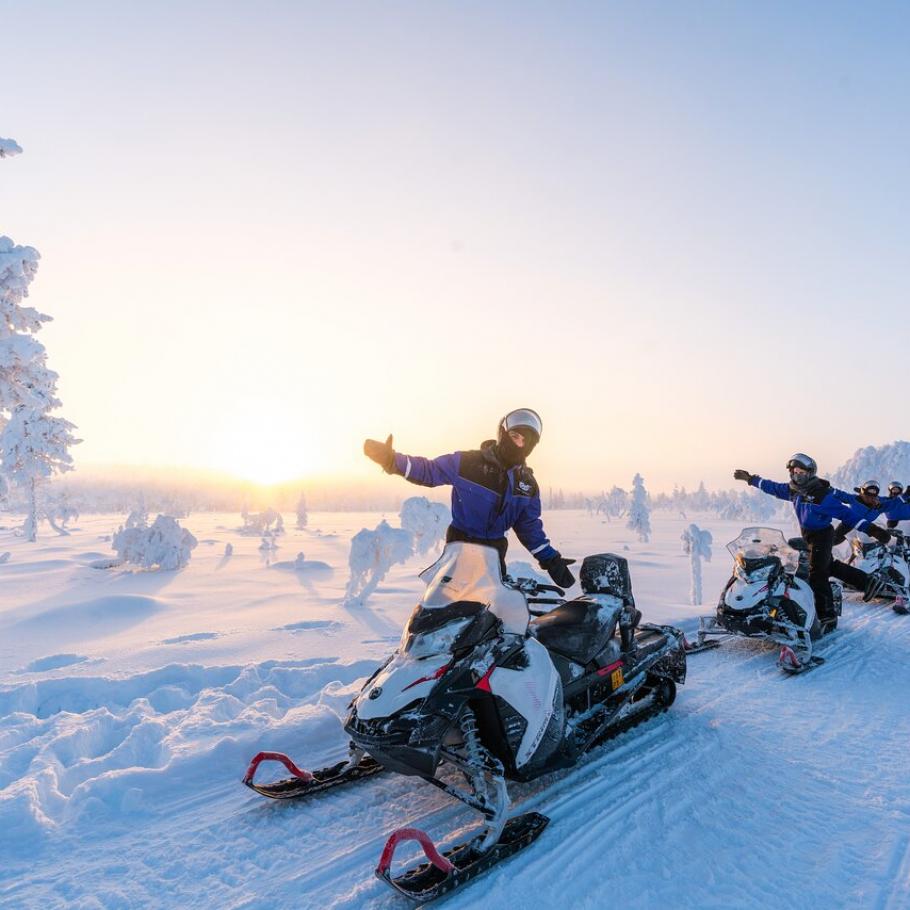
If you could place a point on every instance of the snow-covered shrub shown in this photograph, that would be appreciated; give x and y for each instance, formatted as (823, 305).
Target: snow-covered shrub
(697, 545)
(165, 544)
(373, 553)
(258, 524)
(427, 521)
(302, 517)
(639, 512)
(58, 512)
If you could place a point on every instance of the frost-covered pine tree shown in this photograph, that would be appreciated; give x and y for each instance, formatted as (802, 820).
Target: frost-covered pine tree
(302, 517)
(697, 545)
(639, 512)
(33, 444)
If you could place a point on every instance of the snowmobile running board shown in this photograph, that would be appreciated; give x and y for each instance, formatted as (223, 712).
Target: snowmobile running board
(305, 783)
(455, 867)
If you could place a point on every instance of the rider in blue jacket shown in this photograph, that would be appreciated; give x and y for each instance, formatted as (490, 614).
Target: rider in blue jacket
(816, 506)
(493, 489)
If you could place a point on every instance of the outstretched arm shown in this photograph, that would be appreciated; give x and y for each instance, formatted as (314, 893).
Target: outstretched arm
(427, 472)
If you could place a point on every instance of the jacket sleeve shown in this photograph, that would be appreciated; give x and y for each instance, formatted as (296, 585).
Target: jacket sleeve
(843, 496)
(529, 530)
(780, 490)
(428, 472)
(899, 511)
(854, 515)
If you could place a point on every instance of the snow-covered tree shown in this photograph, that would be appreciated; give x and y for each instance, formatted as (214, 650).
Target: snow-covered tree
(639, 511)
(33, 446)
(882, 463)
(33, 443)
(302, 517)
(373, 553)
(427, 521)
(697, 545)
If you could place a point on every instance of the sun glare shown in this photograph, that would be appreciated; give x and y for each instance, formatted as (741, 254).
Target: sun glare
(257, 443)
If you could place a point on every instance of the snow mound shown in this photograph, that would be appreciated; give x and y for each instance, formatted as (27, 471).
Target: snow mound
(76, 751)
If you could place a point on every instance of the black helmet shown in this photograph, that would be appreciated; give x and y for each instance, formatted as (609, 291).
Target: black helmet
(529, 424)
(870, 487)
(799, 460)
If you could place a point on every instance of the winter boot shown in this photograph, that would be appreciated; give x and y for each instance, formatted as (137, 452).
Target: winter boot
(874, 585)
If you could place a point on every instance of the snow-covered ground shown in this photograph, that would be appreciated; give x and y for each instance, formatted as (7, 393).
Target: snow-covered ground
(131, 701)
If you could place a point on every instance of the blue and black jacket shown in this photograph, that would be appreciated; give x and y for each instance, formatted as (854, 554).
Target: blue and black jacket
(487, 497)
(815, 512)
(894, 508)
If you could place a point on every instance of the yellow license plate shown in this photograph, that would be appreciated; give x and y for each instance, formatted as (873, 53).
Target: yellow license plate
(616, 678)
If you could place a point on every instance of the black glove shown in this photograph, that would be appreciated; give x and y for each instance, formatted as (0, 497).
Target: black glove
(740, 474)
(880, 534)
(840, 534)
(558, 568)
(381, 452)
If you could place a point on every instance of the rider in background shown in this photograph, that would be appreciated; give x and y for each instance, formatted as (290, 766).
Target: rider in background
(493, 489)
(816, 506)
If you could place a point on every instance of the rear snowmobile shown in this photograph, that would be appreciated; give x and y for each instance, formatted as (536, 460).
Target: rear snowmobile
(768, 596)
(890, 563)
(476, 689)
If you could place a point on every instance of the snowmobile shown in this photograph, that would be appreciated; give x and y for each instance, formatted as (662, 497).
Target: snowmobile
(478, 688)
(890, 562)
(768, 596)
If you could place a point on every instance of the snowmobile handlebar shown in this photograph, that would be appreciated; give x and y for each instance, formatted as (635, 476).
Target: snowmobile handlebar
(530, 587)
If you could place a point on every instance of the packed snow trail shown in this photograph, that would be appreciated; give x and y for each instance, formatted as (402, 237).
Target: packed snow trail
(755, 789)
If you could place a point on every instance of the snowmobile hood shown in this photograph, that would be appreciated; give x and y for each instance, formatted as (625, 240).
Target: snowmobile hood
(402, 681)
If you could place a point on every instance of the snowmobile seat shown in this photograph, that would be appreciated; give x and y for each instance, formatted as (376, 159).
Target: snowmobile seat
(647, 640)
(578, 629)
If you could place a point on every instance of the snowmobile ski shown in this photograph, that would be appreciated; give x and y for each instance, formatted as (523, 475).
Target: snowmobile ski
(793, 664)
(444, 872)
(305, 783)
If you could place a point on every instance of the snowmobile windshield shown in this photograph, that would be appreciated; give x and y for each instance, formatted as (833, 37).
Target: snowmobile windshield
(445, 630)
(754, 546)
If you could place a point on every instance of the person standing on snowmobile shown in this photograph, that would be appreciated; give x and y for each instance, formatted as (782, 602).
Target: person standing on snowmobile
(900, 510)
(493, 490)
(816, 506)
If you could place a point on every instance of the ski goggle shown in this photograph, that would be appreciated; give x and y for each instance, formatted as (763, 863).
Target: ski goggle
(895, 489)
(523, 418)
(801, 462)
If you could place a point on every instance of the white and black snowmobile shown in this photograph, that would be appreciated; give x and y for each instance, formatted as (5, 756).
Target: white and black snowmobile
(890, 563)
(477, 688)
(768, 596)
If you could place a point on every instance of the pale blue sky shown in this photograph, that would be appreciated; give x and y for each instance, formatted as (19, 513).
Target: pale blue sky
(678, 230)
